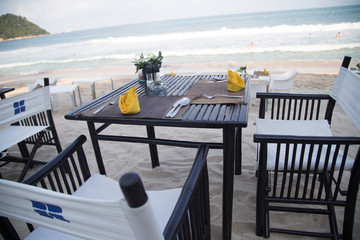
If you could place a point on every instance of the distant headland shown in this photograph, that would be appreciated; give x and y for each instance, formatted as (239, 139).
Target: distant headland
(16, 27)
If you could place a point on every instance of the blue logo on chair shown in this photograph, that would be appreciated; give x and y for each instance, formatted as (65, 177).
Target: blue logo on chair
(48, 210)
(19, 107)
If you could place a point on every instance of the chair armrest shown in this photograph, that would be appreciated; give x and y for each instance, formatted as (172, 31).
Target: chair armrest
(63, 170)
(318, 153)
(290, 106)
(267, 138)
(292, 95)
(193, 204)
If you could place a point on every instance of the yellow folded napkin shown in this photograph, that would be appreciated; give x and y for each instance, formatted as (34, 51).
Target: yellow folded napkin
(235, 82)
(129, 103)
(266, 72)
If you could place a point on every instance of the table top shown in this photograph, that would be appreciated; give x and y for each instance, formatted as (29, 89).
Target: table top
(91, 80)
(197, 115)
(261, 78)
(62, 88)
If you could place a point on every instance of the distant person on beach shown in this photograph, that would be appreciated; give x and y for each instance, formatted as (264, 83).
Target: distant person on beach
(252, 44)
(338, 35)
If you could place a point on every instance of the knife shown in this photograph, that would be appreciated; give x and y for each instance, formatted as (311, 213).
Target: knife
(173, 108)
(112, 102)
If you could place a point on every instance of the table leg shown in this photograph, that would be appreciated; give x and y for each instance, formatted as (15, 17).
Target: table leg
(93, 90)
(73, 100)
(228, 180)
(79, 96)
(152, 147)
(23, 149)
(238, 150)
(95, 143)
(112, 83)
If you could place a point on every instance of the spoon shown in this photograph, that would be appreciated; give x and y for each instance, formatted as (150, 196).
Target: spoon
(176, 104)
(218, 78)
(183, 102)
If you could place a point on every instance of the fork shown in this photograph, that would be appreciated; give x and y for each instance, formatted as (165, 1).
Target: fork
(112, 102)
(220, 95)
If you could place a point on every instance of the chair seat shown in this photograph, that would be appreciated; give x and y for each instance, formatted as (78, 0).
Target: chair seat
(14, 134)
(293, 127)
(102, 188)
(296, 128)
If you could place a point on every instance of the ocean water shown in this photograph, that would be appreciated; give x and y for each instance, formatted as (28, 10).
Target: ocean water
(296, 35)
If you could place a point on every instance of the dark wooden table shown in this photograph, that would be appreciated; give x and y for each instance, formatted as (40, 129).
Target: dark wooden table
(231, 118)
(5, 90)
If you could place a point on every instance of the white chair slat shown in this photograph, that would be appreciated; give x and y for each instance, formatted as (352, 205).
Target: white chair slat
(346, 93)
(96, 210)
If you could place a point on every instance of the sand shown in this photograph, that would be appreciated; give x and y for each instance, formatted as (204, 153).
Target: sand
(175, 163)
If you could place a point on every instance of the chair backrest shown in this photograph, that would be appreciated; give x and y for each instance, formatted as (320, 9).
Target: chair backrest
(314, 106)
(286, 106)
(283, 81)
(77, 214)
(31, 109)
(21, 106)
(346, 93)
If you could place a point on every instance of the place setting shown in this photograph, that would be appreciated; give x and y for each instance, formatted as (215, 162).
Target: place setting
(223, 89)
(131, 105)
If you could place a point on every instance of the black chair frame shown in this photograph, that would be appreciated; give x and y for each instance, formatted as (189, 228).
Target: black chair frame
(321, 188)
(290, 106)
(189, 220)
(48, 137)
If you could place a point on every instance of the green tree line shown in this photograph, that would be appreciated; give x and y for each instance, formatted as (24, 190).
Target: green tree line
(12, 26)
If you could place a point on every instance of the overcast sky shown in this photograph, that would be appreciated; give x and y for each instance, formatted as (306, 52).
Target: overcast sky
(62, 15)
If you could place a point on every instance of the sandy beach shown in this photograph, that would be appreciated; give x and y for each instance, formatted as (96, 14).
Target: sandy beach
(175, 163)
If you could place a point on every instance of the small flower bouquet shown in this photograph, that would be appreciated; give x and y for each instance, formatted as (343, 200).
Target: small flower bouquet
(242, 69)
(150, 67)
(149, 64)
